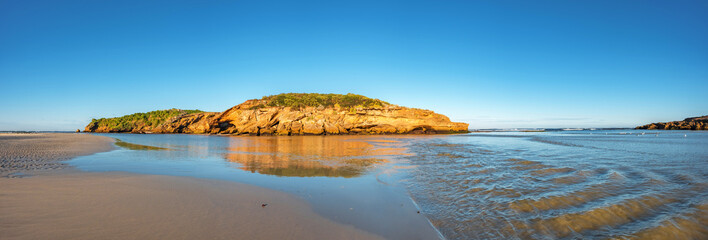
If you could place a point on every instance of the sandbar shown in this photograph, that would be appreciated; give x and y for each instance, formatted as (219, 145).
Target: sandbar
(34, 153)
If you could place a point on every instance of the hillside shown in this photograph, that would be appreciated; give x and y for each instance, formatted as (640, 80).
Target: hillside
(143, 122)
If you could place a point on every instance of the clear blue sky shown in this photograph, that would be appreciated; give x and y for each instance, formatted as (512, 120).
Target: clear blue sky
(490, 63)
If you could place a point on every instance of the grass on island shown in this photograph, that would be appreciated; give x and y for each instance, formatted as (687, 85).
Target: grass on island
(300, 100)
(149, 119)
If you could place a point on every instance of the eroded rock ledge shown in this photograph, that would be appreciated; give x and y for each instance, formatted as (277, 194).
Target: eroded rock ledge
(299, 114)
(694, 123)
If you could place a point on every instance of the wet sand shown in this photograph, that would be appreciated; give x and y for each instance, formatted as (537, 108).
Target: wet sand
(120, 206)
(69, 204)
(34, 153)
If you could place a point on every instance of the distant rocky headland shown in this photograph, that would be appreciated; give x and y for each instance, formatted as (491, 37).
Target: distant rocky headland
(288, 114)
(694, 123)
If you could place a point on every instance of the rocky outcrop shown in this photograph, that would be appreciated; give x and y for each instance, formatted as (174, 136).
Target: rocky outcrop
(280, 116)
(694, 123)
(190, 123)
(96, 127)
(248, 118)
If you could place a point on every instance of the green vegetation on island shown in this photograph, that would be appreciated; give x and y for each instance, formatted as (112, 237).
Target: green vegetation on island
(149, 119)
(299, 100)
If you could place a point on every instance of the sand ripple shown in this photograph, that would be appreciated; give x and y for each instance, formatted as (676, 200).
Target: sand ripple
(25, 153)
(563, 191)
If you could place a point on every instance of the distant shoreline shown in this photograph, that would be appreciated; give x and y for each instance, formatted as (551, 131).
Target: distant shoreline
(692, 123)
(391, 134)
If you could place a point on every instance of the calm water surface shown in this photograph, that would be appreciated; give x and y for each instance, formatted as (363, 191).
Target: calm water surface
(548, 185)
(349, 179)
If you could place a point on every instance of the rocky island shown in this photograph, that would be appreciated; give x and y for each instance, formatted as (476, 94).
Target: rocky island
(289, 114)
(694, 123)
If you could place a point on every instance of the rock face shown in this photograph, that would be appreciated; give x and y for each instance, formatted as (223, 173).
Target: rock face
(265, 117)
(190, 123)
(694, 123)
(245, 118)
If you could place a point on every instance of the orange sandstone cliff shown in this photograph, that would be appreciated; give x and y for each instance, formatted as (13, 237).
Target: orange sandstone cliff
(299, 114)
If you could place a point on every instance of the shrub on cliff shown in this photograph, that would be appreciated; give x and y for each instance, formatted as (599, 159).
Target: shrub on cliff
(129, 122)
(298, 100)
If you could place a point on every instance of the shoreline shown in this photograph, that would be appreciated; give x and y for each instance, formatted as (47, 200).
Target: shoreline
(293, 135)
(60, 202)
(385, 210)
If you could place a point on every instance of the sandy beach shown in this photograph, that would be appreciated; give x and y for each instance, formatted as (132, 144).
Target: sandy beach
(39, 152)
(50, 203)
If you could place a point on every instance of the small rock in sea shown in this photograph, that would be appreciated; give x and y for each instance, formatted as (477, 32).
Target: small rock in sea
(264, 205)
(418, 211)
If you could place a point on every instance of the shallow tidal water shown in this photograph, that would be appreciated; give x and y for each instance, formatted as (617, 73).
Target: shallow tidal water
(573, 184)
(503, 185)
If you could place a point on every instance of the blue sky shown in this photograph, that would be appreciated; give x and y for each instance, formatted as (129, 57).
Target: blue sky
(494, 64)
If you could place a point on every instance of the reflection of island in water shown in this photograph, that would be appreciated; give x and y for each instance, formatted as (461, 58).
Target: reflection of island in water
(310, 156)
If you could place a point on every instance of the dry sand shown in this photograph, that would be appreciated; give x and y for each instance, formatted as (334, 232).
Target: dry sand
(60, 204)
